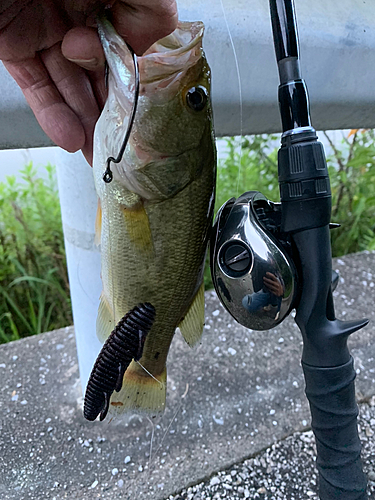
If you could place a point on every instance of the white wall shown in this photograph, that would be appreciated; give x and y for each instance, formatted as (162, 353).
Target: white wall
(14, 160)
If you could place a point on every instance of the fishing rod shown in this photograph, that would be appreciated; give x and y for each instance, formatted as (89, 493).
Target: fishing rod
(306, 211)
(267, 258)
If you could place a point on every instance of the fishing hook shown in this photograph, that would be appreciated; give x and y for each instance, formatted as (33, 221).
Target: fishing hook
(108, 174)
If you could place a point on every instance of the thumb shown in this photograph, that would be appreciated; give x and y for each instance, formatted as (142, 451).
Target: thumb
(82, 46)
(143, 22)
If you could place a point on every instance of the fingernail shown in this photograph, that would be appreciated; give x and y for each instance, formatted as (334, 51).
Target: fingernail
(89, 64)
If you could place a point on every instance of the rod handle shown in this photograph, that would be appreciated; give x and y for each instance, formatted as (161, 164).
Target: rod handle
(334, 412)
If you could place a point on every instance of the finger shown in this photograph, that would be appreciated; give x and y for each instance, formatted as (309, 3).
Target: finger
(75, 88)
(97, 79)
(36, 26)
(57, 120)
(82, 46)
(272, 289)
(143, 22)
(271, 285)
(269, 280)
(271, 276)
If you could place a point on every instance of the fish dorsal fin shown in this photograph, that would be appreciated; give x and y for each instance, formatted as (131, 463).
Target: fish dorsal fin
(105, 322)
(191, 326)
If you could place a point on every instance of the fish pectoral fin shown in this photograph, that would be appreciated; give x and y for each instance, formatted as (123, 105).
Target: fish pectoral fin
(140, 392)
(105, 322)
(138, 227)
(191, 327)
(98, 225)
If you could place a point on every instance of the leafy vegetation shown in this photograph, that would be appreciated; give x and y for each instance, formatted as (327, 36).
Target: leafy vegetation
(352, 174)
(34, 288)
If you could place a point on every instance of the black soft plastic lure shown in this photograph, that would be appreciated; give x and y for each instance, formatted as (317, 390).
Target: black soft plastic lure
(124, 344)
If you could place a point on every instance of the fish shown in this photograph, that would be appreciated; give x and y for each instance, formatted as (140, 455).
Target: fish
(154, 218)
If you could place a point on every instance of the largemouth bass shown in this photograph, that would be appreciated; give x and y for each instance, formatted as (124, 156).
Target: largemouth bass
(154, 217)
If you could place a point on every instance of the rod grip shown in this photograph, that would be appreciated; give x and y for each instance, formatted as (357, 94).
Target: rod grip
(334, 411)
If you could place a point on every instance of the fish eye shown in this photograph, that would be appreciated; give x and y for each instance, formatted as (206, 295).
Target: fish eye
(196, 98)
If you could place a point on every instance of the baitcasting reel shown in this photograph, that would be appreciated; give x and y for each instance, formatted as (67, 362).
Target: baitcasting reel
(252, 263)
(252, 271)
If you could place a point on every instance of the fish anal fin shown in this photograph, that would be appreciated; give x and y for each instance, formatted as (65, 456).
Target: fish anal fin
(191, 327)
(98, 225)
(140, 392)
(105, 322)
(138, 227)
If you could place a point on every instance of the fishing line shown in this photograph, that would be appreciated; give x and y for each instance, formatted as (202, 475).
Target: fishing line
(239, 91)
(151, 375)
(173, 418)
(169, 426)
(152, 439)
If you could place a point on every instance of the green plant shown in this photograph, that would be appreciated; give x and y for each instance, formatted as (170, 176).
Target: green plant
(352, 174)
(34, 287)
(250, 167)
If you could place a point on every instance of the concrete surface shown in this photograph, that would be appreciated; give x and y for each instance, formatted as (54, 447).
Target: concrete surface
(237, 394)
(337, 59)
(286, 470)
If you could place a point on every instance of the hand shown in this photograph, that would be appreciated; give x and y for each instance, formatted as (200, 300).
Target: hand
(272, 283)
(39, 39)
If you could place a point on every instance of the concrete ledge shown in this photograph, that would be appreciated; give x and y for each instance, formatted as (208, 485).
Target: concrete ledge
(243, 390)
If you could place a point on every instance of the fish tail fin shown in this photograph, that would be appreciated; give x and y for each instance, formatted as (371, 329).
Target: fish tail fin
(141, 391)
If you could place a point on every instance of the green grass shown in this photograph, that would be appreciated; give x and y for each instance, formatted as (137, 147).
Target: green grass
(34, 288)
(352, 174)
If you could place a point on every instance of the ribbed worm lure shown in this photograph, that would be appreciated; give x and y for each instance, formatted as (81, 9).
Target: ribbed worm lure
(124, 344)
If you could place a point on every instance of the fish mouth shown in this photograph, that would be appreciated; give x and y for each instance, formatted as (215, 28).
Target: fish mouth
(172, 54)
(167, 57)
(185, 37)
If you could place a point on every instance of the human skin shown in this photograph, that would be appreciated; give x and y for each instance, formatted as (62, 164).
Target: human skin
(51, 49)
